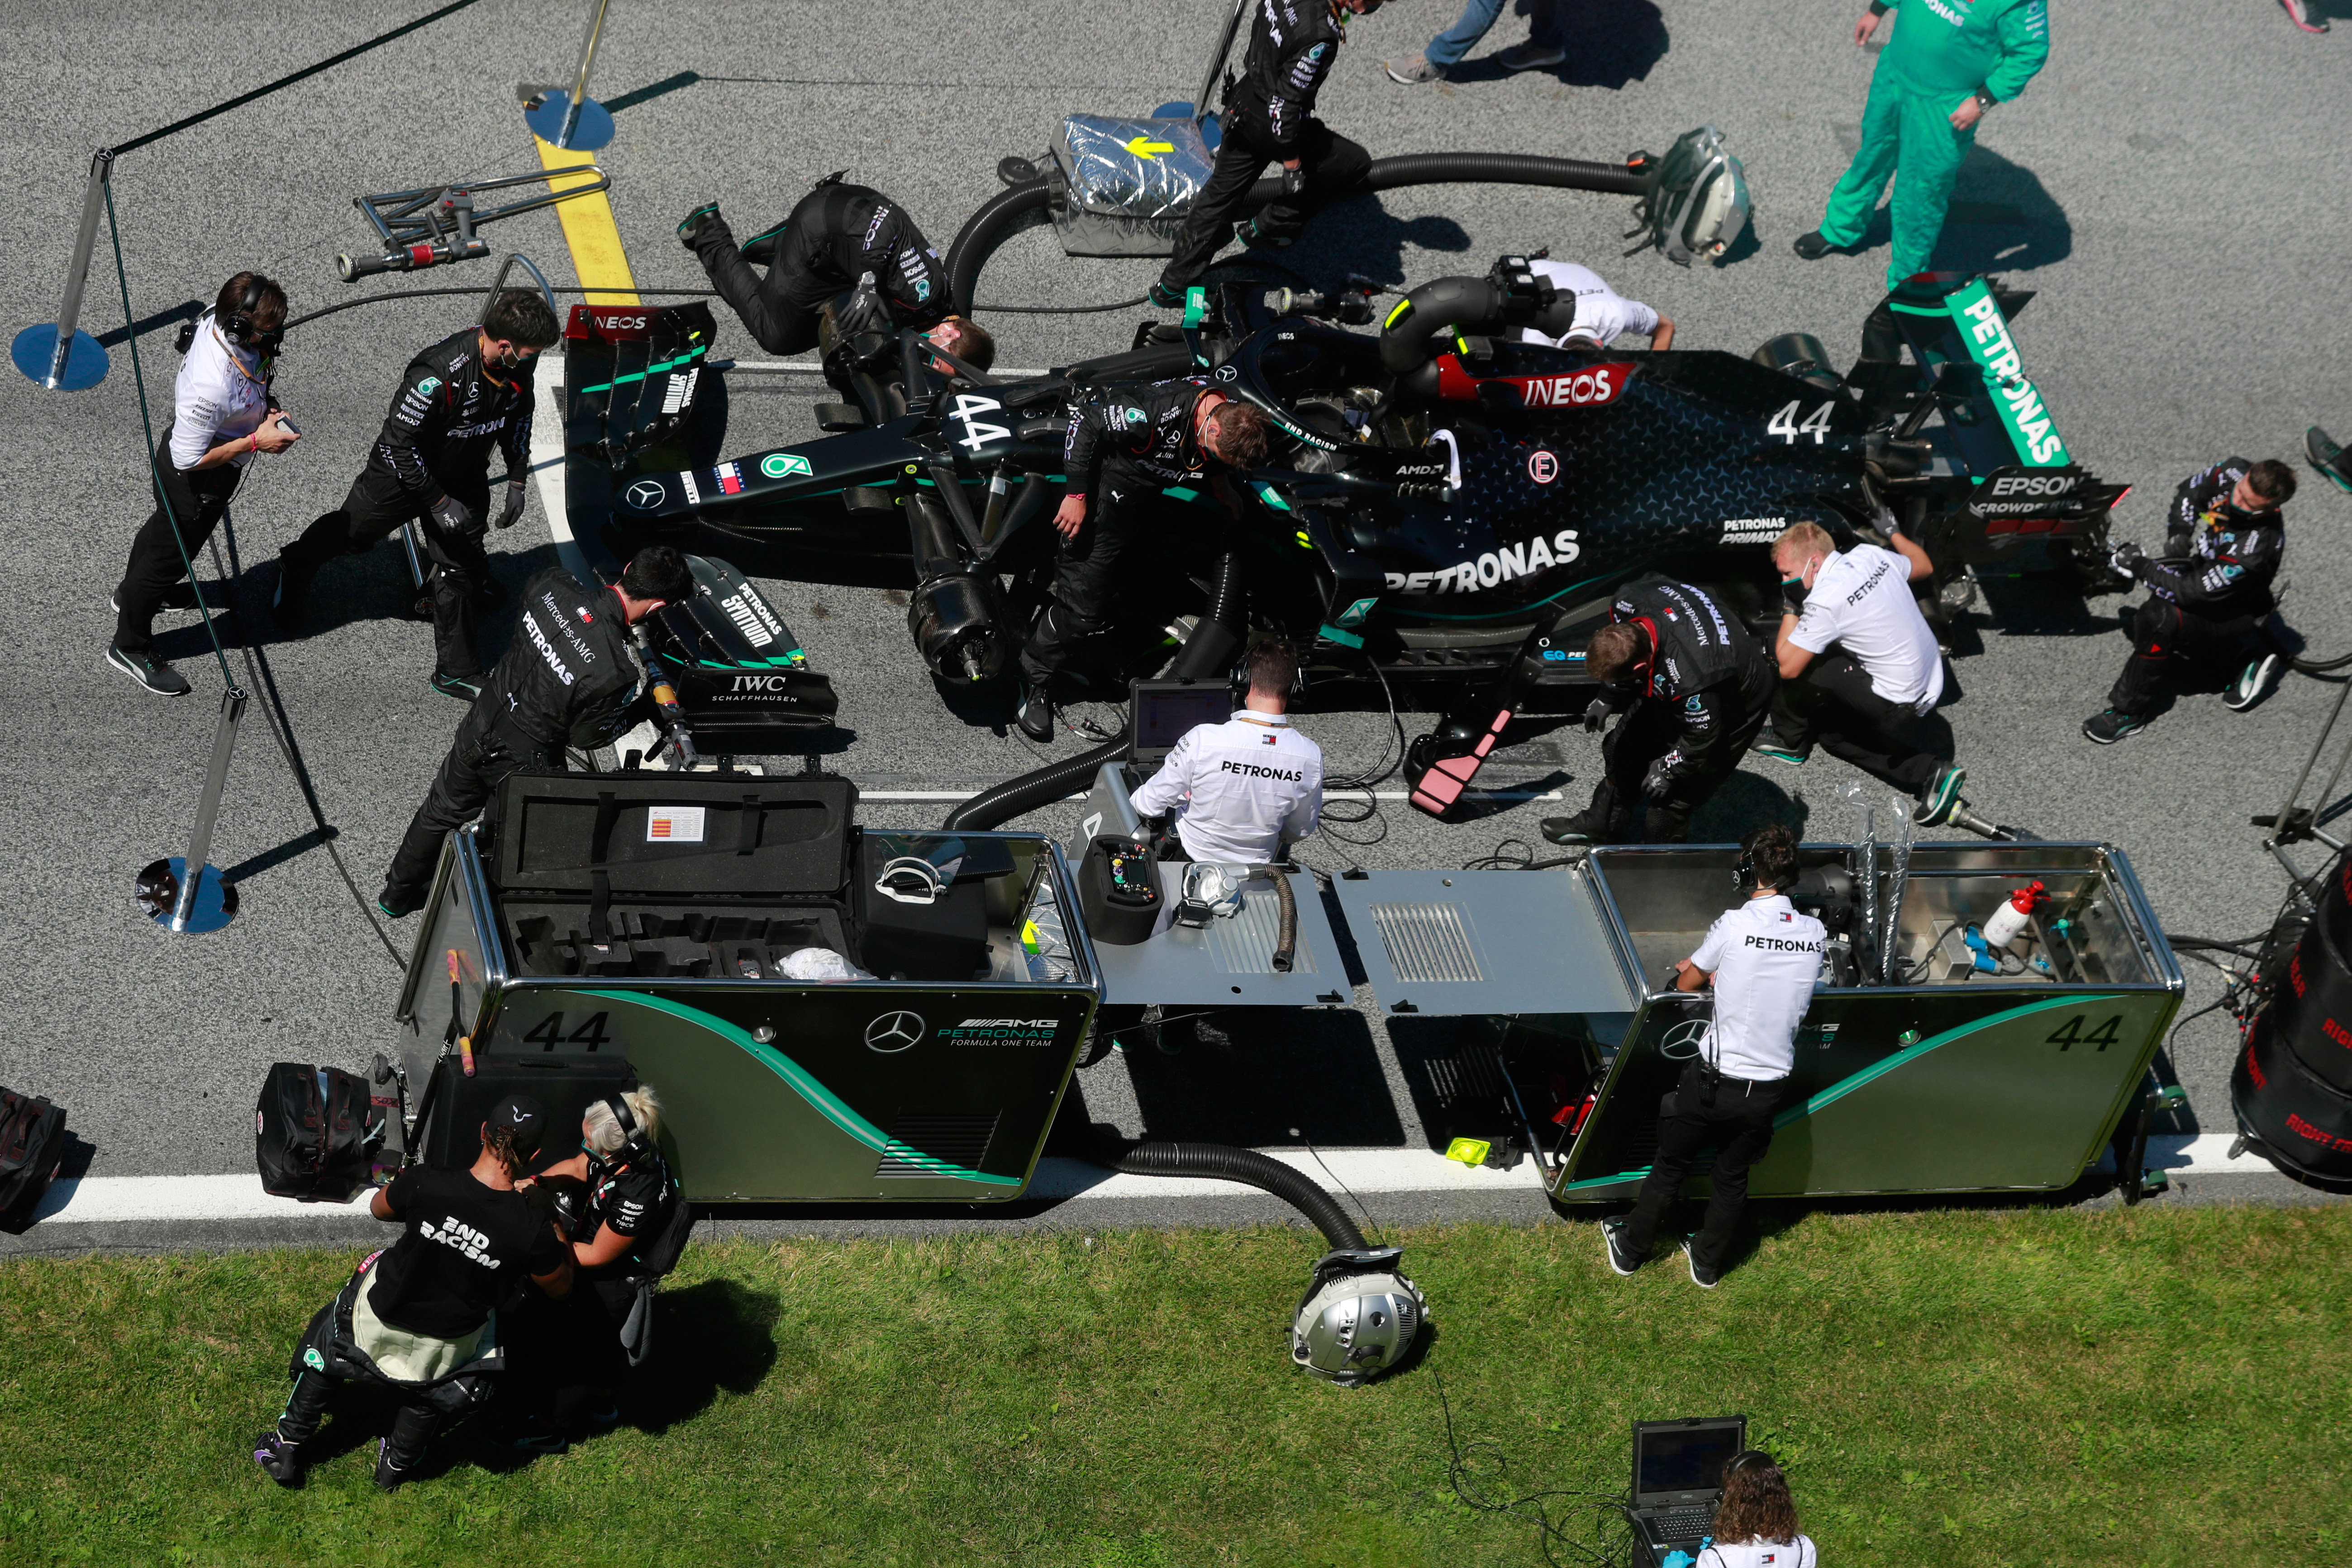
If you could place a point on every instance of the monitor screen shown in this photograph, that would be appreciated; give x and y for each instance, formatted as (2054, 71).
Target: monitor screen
(1684, 1458)
(1164, 713)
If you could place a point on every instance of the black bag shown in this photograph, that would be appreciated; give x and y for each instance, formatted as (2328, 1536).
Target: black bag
(659, 1252)
(32, 1139)
(315, 1133)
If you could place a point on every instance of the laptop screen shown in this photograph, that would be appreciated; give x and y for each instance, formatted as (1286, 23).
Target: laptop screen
(1676, 1459)
(1164, 711)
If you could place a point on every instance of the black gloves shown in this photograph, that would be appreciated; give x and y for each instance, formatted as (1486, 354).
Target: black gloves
(866, 311)
(1294, 183)
(1596, 714)
(1661, 777)
(512, 511)
(2129, 558)
(702, 221)
(450, 515)
(1792, 596)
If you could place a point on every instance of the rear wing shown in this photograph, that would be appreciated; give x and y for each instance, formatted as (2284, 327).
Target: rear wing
(2003, 421)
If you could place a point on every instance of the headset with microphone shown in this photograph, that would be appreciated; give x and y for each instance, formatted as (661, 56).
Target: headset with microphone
(238, 326)
(635, 1147)
(1238, 680)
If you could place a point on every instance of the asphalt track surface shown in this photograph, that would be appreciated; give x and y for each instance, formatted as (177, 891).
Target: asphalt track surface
(2172, 185)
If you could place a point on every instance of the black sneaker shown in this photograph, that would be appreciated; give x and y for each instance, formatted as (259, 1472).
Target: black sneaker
(149, 673)
(1942, 794)
(398, 903)
(1768, 743)
(2328, 458)
(179, 595)
(1257, 231)
(465, 687)
(1613, 1241)
(388, 1476)
(1812, 246)
(1578, 829)
(1703, 1277)
(2105, 728)
(2253, 683)
(287, 600)
(1036, 715)
(280, 1460)
(532, 1437)
(1164, 296)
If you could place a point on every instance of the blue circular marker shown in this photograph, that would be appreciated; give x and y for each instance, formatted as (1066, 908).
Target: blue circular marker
(36, 347)
(546, 122)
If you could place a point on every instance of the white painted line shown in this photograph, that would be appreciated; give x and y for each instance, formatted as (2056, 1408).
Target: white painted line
(104, 1200)
(2202, 1154)
(547, 462)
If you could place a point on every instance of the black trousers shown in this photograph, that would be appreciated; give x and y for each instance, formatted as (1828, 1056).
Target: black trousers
(1649, 730)
(2162, 632)
(378, 504)
(1734, 1115)
(563, 1351)
(1088, 569)
(484, 753)
(1832, 702)
(413, 1425)
(780, 309)
(1334, 167)
(199, 500)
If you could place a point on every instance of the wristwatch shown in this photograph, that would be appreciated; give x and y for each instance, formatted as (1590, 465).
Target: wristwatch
(1985, 100)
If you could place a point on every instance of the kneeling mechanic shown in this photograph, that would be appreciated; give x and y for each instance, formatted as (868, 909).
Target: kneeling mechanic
(567, 678)
(467, 393)
(1859, 664)
(1762, 959)
(421, 1317)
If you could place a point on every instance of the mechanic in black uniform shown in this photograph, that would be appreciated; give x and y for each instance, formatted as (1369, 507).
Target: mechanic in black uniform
(419, 1317)
(1124, 445)
(572, 1355)
(566, 679)
(2206, 595)
(1694, 687)
(835, 236)
(467, 393)
(1270, 118)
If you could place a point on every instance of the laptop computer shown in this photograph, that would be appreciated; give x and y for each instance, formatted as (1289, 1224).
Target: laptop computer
(1161, 712)
(1678, 1480)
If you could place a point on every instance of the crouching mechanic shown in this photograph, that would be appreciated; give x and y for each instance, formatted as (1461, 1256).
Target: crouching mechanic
(837, 237)
(1859, 664)
(567, 678)
(1243, 788)
(2208, 591)
(467, 393)
(1602, 315)
(618, 1206)
(1693, 686)
(1762, 959)
(420, 1318)
(1125, 445)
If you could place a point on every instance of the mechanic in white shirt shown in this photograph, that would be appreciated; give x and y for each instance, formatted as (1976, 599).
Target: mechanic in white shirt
(1859, 664)
(222, 414)
(1756, 1521)
(1602, 315)
(1244, 786)
(1763, 959)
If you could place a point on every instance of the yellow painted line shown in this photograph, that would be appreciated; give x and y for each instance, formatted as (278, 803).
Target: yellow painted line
(588, 228)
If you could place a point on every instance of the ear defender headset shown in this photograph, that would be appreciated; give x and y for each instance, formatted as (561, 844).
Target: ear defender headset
(637, 1147)
(1743, 877)
(1743, 1460)
(237, 325)
(1238, 680)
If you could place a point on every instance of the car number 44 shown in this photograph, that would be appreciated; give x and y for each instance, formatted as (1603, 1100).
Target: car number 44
(976, 434)
(1784, 424)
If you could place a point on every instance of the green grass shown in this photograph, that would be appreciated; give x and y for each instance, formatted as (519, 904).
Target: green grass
(2134, 1386)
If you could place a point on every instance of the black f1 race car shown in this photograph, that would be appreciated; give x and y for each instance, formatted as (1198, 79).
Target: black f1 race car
(1444, 503)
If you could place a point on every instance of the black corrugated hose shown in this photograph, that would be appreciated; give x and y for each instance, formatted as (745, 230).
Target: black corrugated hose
(1223, 1162)
(1009, 210)
(1031, 790)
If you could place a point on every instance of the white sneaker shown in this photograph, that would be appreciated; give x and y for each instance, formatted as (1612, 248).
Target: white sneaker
(1413, 72)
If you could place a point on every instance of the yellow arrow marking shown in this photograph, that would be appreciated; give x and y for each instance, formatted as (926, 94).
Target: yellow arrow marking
(1143, 147)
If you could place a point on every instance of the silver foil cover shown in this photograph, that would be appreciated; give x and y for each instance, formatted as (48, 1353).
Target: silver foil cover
(1131, 183)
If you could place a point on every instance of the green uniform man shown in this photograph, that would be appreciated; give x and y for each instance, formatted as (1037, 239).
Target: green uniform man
(1950, 60)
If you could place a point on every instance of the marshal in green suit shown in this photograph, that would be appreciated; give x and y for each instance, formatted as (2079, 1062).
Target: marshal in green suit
(1944, 53)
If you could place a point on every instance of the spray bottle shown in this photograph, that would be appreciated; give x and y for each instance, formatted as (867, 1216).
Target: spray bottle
(2006, 921)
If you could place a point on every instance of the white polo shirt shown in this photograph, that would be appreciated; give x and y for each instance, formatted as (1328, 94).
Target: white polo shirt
(220, 394)
(1765, 957)
(1797, 1554)
(1243, 787)
(1860, 602)
(1601, 313)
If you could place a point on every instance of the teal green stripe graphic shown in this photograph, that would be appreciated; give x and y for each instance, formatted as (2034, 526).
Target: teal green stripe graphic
(806, 1086)
(1873, 1072)
(688, 357)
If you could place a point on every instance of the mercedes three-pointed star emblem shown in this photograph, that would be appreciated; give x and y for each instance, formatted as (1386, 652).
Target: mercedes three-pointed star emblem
(646, 494)
(894, 1032)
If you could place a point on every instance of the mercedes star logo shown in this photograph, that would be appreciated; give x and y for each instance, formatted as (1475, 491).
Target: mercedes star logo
(647, 494)
(1683, 1042)
(895, 1032)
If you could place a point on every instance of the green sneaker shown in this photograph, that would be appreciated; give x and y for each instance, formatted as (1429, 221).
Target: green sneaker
(1942, 794)
(1768, 743)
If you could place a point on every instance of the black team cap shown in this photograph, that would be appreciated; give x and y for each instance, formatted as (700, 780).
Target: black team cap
(522, 1115)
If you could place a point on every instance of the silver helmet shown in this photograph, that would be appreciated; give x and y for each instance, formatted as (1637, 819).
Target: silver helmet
(1359, 1318)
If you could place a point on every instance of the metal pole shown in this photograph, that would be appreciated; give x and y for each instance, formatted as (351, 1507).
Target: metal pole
(93, 202)
(200, 842)
(580, 78)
